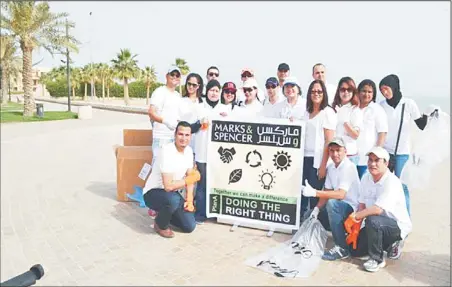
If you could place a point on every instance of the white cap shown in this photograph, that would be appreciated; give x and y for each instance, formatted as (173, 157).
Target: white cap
(250, 83)
(173, 68)
(291, 80)
(379, 152)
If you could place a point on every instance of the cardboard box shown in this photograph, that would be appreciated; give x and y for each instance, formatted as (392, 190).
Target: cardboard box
(133, 168)
(137, 137)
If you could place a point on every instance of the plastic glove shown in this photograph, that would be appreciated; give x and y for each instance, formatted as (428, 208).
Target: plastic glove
(350, 221)
(431, 109)
(192, 177)
(352, 238)
(170, 123)
(315, 212)
(308, 191)
(188, 206)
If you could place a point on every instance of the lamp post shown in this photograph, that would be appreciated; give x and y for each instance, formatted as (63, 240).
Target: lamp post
(68, 71)
(91, 54)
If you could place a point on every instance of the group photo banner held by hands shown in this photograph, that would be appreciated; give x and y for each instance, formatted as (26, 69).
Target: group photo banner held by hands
(254, 171)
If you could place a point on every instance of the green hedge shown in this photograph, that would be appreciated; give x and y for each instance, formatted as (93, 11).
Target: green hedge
(136, 89)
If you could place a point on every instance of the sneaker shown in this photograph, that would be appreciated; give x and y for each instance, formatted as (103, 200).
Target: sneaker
(152, 213)
(336, 253)
(167, 233)
(372, 265)
(199, 222)
(395, 250)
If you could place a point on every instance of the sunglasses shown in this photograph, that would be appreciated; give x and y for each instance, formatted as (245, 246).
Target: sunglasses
(214, 74)
(270, 86)
(194, 85)
(231, 92)
(247, 75)
(343, 90)
(283, 71)
(317, 92)
(175, 75)
(249, 90)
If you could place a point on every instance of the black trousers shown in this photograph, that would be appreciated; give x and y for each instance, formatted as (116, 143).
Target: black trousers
(379, 233)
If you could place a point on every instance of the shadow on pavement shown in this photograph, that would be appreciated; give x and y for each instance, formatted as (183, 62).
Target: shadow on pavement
(103, 189)
(134, 217)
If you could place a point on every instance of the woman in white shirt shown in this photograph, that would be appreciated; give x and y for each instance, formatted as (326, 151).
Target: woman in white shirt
(251, 107)
(211, 106)
(229, 95)
(349, 116)
(190, 100)
(375, 124)
(293, 106)
(321, 121)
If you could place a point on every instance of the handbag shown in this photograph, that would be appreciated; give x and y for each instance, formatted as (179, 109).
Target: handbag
(392, 158)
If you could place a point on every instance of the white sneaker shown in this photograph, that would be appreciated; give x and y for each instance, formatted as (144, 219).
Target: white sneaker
(372, 265)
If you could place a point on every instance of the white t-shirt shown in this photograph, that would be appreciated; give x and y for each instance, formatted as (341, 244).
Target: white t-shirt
(388, 194)
(252, 110)
(240, 95)
(393, 116)
(331, 90)
(204, 110)
(167, 105)
(269, 109)
(189, 114)
(284, 110)
(354, 116)
(344, 177)
(315, 136)
(170, 161)
(374, 122)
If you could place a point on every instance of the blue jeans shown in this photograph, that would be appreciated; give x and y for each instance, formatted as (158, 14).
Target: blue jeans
(361, 170)
(354, 158)
(310, 174)
(332, 217)
(400, 162)
(200, 196)
(170, 208)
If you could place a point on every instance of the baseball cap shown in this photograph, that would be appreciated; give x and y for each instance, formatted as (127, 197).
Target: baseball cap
(283, 66)
(173, 68)
(250, 83)
(337, 140)
(229, 86)
(247, 70)
(272, 80)
(379, 152)
(291, 80)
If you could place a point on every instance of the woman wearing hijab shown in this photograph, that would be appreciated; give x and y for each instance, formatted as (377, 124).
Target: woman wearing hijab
(400, 112)
(375, 124)
(210, 107)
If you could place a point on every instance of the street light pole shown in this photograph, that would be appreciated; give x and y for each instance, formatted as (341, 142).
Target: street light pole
(68, 71)
(91, 54)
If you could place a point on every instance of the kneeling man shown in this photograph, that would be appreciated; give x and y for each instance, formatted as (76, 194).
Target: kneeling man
(383, 208)
(173, 172)
(340, 195)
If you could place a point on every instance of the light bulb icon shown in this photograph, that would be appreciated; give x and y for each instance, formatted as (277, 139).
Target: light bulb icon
(267, 179)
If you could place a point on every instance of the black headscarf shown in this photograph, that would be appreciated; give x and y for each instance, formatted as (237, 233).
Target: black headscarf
(210, 85)
(393, 82)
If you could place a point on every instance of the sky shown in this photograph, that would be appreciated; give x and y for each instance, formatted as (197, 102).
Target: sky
(357, 39)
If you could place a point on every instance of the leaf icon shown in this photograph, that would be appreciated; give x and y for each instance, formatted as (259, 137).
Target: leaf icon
(235, 176)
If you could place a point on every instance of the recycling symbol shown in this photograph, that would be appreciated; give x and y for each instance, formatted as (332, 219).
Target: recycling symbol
(253, 159)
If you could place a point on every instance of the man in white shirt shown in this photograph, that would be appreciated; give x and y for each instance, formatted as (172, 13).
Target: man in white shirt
(213, 73)
(319, 73)
(273, 97)
(383, 208)
(283, 73)
(339, 197)
(164, 111)
(173, 171)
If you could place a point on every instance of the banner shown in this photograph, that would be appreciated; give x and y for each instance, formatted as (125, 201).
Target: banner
(254, 171)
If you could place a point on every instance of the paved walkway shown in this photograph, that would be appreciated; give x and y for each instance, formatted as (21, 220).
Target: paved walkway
(58, 208)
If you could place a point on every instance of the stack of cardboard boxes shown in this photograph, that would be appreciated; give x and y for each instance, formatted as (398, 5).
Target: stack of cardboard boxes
(133, 161)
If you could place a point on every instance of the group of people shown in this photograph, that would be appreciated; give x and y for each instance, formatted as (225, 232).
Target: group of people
(354, 152)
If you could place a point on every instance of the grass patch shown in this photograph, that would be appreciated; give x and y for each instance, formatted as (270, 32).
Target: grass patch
(11, 107)
(16, 116)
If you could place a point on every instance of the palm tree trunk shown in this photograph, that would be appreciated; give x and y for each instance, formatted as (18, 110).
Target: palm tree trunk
(103, 89)
(147, 94)
(126, 92)
(4, 90)
(94, 89)
(73, 92)
(108, 92)
(86, 92)
(29, 101)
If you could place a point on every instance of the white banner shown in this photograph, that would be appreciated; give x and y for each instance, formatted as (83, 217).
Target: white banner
(254, 171)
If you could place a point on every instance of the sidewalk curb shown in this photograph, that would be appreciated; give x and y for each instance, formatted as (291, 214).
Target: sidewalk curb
(114, 108)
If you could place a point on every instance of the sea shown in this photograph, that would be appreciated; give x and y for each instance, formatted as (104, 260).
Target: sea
(425, 101)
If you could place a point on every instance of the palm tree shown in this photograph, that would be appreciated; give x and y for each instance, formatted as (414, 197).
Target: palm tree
(148, 76)
(92, 75)
(109, 76)
(125, 67)
(10, 64)
(184, 69)
(75, 78)
(102, 71)
(85, 79)
(35, 26)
